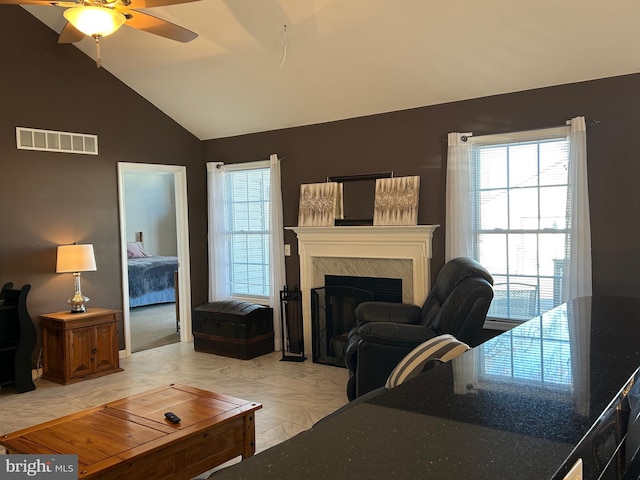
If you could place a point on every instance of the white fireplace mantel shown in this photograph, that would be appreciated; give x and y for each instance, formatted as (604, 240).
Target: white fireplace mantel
(406, 242)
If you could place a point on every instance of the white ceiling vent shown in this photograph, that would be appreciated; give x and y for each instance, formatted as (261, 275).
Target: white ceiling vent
(51, 141)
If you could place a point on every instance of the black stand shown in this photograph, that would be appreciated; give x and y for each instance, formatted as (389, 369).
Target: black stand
(291, 318)
(17, 339)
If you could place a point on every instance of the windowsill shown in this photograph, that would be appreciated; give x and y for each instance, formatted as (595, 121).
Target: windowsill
(248, 298)
(501, 324)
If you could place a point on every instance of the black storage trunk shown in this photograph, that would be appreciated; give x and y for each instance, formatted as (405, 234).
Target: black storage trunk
(233, 329)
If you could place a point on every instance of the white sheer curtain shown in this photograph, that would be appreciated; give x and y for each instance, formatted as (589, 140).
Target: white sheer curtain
(219, 281)
(576, 273)
(579, 324)
(458, 221)
(278, 275)
(577, 262)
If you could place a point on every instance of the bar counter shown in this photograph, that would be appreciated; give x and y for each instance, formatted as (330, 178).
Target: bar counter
(527, 404)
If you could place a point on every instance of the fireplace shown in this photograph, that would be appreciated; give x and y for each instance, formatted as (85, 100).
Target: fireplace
(332, 311)
(402, 252)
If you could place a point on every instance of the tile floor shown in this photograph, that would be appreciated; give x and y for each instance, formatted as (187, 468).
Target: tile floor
(294, 395)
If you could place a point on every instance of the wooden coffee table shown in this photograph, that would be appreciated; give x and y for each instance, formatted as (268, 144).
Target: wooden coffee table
(130, 438)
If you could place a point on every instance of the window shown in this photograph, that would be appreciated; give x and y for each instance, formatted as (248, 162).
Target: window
(520, 189)
(246, 234)
(247, 218)
(519, 204)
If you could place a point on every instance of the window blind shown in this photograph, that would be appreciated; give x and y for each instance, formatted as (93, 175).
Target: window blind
(247, 220)
(520, 219)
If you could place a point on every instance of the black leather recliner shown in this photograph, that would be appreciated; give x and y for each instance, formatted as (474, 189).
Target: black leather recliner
(385, 332)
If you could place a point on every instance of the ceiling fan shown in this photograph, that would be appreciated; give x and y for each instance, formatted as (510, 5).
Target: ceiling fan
(99, 18)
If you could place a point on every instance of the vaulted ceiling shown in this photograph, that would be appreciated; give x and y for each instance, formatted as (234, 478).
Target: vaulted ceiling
(337, 59)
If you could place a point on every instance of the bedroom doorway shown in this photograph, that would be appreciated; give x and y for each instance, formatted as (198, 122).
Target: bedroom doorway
(155, 257)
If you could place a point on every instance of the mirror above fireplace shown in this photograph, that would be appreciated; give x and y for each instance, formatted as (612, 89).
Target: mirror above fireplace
(358, 197)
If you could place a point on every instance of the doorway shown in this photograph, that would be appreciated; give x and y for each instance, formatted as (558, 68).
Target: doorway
(154, 231)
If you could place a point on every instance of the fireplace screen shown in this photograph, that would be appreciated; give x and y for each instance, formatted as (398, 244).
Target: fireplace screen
(332, 312)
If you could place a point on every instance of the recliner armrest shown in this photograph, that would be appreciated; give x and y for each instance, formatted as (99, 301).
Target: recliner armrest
(403, 313)
(394, 334)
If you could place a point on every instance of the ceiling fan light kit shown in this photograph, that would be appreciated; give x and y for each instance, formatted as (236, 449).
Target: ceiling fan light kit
(95, 21)
(99, 18)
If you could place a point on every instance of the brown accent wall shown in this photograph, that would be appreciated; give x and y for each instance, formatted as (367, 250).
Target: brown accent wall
(53, 198)
(56, 198)
(413, 142)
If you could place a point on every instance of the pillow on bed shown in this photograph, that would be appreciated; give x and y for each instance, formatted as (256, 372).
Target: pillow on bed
(136, 250)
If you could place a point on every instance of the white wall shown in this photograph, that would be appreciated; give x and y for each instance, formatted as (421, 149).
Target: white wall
(150, 208)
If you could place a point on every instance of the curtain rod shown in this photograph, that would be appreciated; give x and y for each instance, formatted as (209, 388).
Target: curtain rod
(589, 123)
(222, 164)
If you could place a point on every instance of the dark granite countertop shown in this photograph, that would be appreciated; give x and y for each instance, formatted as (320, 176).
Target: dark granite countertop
(524, 405)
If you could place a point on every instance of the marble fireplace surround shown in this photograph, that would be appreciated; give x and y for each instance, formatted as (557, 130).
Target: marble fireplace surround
(366, 251)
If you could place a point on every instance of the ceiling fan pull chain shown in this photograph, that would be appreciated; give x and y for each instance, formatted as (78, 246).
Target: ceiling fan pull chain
(98, 59)
(284, 49)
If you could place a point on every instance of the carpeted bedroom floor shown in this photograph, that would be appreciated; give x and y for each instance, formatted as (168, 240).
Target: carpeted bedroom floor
(153, 326)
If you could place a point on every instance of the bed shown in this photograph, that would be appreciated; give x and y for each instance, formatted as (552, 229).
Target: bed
(151, 278)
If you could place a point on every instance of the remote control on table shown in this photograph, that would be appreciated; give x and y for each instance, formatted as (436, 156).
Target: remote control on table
(172, 417)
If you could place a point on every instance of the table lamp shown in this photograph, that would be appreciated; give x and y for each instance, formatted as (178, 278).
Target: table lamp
(76, 259)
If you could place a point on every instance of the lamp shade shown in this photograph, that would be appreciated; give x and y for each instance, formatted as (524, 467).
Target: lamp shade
(94, 21)
(75, 258)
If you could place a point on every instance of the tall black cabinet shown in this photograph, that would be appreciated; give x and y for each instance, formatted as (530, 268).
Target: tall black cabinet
(17, 339)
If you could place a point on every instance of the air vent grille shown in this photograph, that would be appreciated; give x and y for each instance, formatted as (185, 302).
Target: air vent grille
(51, 141)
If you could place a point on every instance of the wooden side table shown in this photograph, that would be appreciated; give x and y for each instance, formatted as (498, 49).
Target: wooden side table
(79, 346)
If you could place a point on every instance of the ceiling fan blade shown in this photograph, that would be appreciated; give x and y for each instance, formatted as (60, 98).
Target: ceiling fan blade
(26, 2)
(152, 3)
(70, 34)
(157, 26)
